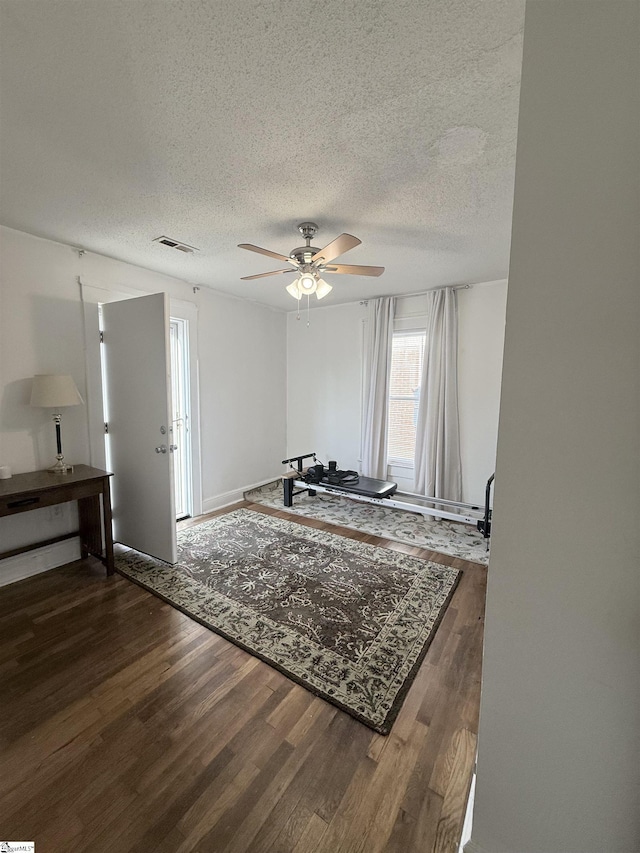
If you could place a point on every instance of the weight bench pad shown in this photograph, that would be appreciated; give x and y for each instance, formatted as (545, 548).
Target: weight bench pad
(367, 486)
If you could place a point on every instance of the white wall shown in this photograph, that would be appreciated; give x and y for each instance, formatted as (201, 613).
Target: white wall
(41, 332)
(243, 395)
(324, 363)
(242, 365)
(558, 766)
(324, 381)
(481, 322)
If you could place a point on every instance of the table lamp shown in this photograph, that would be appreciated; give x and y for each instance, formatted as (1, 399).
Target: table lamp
(54, 391)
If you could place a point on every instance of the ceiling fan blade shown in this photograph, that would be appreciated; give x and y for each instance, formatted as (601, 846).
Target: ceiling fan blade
(263, 274)
(353, 269)
(336, 247)
(266, 252)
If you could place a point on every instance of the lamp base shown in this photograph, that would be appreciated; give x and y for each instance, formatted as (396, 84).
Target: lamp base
(60, 467)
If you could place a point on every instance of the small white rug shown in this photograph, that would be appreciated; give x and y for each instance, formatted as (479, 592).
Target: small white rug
(448, 537)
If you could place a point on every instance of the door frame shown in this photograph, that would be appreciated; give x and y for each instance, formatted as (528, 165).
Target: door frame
(181, 439)
(92, 295)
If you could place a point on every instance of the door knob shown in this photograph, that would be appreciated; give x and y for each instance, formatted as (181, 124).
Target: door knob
(173, 447)
(161, 449)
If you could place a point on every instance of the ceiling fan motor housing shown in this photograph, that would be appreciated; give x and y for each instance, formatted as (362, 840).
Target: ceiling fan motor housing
(304, 254)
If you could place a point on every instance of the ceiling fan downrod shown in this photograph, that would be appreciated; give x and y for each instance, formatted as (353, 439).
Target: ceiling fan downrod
(303, 254)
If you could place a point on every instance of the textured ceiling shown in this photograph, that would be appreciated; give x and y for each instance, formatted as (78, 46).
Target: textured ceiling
(218, 122)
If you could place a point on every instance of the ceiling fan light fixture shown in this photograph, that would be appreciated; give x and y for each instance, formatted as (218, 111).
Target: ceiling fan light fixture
(323, 288)
(307, 283)
(294, 289)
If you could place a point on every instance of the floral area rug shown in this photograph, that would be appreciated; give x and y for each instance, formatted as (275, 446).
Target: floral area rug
(350, 622)
(448, 537)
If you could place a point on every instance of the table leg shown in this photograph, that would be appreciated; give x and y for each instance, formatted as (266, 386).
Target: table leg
(90, 527)
(108, 531)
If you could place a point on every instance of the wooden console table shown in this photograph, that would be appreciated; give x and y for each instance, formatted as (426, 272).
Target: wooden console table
(24, 492)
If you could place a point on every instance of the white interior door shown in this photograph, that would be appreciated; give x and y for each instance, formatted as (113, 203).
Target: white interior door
(137, 394)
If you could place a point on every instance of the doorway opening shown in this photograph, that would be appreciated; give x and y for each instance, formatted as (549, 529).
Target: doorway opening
(180, 416)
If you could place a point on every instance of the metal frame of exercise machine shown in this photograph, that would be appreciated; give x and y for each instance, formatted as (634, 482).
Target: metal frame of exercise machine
(479, 517)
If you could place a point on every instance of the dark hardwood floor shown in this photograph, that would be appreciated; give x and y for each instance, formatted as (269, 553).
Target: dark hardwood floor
(127, 726)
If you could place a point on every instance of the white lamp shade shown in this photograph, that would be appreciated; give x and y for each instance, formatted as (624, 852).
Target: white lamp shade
(53, 391)
(294, 290)
(323, 288)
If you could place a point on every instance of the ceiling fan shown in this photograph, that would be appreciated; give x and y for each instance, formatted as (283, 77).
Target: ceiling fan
(310, 263)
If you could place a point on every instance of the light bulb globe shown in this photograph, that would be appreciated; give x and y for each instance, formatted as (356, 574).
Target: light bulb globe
(307, 283)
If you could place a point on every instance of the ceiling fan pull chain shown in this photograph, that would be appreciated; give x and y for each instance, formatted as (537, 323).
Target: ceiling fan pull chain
(308, 317)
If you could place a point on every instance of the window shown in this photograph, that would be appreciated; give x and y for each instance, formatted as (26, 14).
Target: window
(404, 396)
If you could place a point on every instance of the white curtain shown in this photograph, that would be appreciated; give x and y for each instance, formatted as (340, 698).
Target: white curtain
(377, 365)
(438, 470)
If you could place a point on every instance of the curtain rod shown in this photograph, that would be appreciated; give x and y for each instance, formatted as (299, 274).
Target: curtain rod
(424, 292)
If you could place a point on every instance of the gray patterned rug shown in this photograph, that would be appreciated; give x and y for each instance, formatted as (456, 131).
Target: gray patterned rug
(448, 537)
(350, 622)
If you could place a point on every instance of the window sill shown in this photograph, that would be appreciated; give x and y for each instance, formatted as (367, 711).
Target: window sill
(400, 463)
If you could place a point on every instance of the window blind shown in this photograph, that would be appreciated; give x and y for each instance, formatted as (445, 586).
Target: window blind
(404, 395)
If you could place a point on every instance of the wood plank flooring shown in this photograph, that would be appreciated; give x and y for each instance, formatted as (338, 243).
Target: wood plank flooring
(127, 726)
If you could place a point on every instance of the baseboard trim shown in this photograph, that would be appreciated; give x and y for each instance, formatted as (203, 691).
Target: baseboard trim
(232, 497)
(467, 827)
(39, 560)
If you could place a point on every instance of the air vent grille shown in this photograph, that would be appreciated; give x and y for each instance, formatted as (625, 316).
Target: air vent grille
(175, 244)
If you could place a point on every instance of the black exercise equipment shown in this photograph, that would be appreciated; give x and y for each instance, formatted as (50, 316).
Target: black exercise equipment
(316, 478)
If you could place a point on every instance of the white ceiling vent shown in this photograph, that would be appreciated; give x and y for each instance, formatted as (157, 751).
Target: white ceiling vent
(175, 244)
